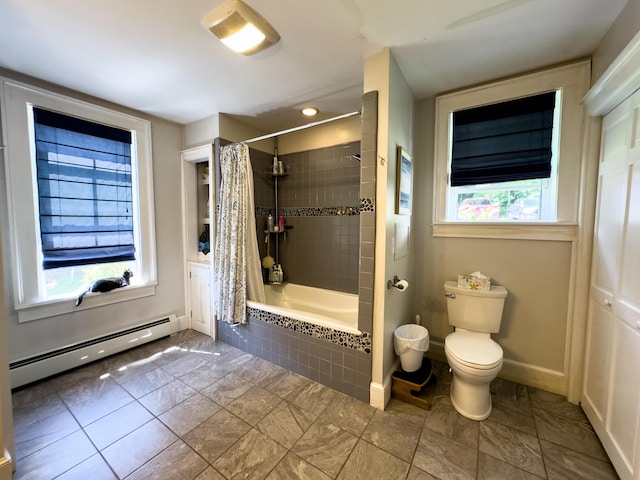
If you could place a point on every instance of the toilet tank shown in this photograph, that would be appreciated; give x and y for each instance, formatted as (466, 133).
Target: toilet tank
(475, 310)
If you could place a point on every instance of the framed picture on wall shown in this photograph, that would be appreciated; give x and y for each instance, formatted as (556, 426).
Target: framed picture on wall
(404, 182)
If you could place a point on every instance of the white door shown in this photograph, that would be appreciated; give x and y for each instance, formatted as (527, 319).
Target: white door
(200, 298)
(611, 396)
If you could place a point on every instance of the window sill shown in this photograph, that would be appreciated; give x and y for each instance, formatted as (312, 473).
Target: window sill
(510, 231)
(51, 308)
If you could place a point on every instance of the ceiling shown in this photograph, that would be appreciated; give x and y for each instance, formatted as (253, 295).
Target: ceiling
(156, 57)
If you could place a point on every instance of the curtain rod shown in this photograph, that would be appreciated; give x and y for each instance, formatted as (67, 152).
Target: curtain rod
(302, 127)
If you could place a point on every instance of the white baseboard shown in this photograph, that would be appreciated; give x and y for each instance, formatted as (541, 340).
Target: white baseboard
(380, 394)
(183, 323)
(6, 467)
(514, 371)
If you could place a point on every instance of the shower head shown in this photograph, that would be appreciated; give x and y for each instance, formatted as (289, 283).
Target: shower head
(356, 156)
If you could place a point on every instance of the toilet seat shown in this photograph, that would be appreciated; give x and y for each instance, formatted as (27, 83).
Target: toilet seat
(473, 351)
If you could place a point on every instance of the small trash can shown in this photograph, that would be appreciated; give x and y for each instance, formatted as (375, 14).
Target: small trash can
(410, 342)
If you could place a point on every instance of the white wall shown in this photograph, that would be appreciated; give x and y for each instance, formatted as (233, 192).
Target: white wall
(395, 128)
(41, 335)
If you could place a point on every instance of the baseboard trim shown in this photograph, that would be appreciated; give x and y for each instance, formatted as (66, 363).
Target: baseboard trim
(6, 467)
(380, 394)
(514, 371)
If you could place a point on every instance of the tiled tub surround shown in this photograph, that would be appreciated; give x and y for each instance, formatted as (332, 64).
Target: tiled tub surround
(189, 408)
(332, 358)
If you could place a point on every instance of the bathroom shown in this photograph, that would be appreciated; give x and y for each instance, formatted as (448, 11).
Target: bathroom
(534, 335)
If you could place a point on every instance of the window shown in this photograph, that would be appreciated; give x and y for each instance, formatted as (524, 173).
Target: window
(510, 152)
(502, 153)
(79, 187)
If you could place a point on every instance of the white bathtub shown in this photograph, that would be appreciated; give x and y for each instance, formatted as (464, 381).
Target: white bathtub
(326, 308)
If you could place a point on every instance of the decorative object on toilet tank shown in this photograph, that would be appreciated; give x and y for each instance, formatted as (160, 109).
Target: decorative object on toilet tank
(475, 281)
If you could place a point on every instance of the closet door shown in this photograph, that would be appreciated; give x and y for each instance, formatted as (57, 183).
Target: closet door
(605, 268)
(624, 418)
(611, 397)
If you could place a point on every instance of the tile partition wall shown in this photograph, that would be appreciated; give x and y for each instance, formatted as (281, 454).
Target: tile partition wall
(329, 201)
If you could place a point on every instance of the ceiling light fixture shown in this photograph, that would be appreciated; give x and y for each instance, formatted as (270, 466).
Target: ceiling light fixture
(241, 28)
(309, 111)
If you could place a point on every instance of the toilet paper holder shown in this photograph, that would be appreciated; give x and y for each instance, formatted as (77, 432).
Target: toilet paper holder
(397, 283)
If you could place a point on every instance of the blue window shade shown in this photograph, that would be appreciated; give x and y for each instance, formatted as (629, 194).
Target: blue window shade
(84, 191)
(504, 142)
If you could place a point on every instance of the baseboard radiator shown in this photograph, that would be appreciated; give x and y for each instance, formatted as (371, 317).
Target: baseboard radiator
(49, 363)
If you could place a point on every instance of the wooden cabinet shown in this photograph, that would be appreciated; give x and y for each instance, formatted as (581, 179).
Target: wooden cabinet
(611, 393)
(198, 194)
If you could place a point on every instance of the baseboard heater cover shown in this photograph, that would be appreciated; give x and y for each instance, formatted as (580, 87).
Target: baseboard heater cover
(49, 363)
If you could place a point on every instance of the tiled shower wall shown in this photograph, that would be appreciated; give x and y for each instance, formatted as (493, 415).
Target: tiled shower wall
(319, 198)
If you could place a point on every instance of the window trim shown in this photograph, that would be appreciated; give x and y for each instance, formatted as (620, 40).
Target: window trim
(15, 98)
(573, 82)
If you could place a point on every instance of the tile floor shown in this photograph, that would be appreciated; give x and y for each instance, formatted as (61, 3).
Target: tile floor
(187, 408)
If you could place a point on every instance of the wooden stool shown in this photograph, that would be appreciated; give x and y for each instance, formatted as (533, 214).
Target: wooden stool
(410, 386)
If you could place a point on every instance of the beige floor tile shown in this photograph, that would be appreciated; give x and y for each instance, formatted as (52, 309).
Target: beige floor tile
(512, 446)
(187, 415)
(253, 456)
(490, 468)
(214, 436)
(367, 461)
(134, 450)
(227, 389)
(31, 438)
(325, 446)
(575, 434)
(167, 397)
(94, 468)
(349, 414)
(116, 425)
(286, 423)
(292, 467)
(566, 464)
(253, 405)
(396, 435)
(445, 458)
(56, 458)
(178, 461)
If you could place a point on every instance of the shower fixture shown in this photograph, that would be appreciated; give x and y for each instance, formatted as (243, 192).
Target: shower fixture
(241, 28)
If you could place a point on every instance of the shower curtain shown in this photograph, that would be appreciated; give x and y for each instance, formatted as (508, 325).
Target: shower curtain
(237, 260)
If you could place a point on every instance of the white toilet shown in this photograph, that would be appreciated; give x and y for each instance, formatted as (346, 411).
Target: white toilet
(475, 359)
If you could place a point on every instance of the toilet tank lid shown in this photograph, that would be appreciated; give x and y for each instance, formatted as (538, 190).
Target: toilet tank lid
(496, 291)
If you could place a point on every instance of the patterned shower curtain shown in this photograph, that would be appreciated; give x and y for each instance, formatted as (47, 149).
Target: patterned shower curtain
(237, 260)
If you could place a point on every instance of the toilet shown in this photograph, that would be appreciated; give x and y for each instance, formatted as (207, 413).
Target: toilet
(474, 357)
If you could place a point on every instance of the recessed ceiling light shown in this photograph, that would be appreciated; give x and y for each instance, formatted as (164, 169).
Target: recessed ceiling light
(241, 28)
(309, 111)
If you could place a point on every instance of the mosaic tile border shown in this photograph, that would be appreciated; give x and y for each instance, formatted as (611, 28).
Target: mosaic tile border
(366, 205)
(360, 342)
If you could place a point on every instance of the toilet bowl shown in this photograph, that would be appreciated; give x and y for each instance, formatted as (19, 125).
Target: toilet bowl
(475, 362)
(474, 357)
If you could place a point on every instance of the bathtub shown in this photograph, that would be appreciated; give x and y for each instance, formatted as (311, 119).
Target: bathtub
(324, 308)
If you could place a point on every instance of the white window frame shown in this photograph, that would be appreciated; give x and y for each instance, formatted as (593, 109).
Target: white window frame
(21, 186)
(572, 81)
